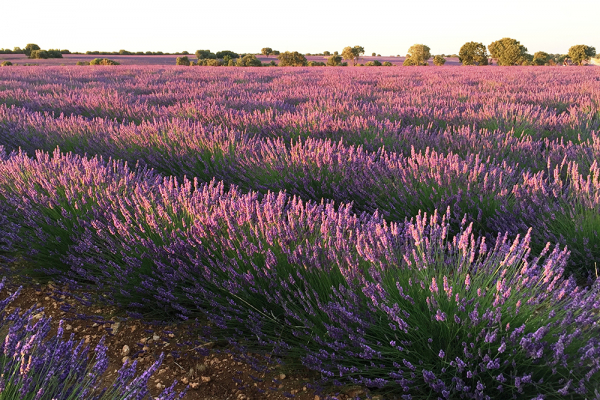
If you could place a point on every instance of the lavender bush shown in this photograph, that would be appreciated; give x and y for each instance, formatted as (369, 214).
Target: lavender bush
(382, 140)
(36, 365)
(298, 213)
(404, 307)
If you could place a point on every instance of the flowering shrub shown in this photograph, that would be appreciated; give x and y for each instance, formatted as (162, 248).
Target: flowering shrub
(299, 212)
(37, 366)
(402, 307)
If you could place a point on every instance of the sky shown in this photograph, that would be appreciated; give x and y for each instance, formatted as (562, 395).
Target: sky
(311, 26)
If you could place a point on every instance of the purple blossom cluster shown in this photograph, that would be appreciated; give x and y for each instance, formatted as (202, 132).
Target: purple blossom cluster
(394, 141)
(39, 366)
(407, 307)
(301, 214)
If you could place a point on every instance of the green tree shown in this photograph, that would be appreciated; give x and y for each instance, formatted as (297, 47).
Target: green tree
(266, 51)
(29, 48)
(291, 59)
(103, 61)
(580, 53)
(541, 58)
(508, 52)
(227, 53)
(439, 61)
(182, 61)
(353, 53)
(334, 61)
(201, 54)
(374, 63)
(387, 64)
(418, 54)
(373, 54)
(276, 52)
(39, 54)
(5, 64)
(473, 53)
(326, 53)
(249, 60)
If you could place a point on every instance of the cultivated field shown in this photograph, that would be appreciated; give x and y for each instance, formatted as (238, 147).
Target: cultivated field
(72, 59)
(415, 232)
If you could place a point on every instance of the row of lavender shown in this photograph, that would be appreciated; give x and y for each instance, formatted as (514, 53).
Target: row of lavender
(404, 307)
(502, 183)
(38, 366)
(327, 103)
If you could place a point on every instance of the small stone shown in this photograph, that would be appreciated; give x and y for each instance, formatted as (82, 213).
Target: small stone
(201, 368)
(185, 380)
(115, 327)
(205, 379)
(145, 348)
(159, 386)
(155, 337)
(304, 389)
(171, 335)
(161, 371)
(194, 385)
(317, 397)
(125, 350)
(282, 376)
(241, 396)
(68, 327)
(143, 340)
(133, 328)
(125, 359)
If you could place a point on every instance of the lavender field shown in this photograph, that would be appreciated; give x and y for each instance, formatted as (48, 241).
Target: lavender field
(421, 232)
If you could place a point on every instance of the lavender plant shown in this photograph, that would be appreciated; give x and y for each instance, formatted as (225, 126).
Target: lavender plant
(385, 305)
(37, 365)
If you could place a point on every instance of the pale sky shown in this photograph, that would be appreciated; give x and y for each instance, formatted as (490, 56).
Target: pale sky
(309, 26)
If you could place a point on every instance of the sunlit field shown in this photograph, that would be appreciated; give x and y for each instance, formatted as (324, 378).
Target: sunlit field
(420, 232)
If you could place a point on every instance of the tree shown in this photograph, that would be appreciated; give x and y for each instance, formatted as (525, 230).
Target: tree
(418, 54)
(200, 54)
(227, 53)
(580, 53)
(182, 61)
(334, 61)
(473, 53)
(266, 51)
(541, 58)
(439, 61)
(353, 53)
(326, 53)
(387, 64)
(374, 63)
(29, 48)
(291, 59)
(276, 52)
(39, 54)
(249, 60)
(373, 54)
(103, 61)
(508, 51)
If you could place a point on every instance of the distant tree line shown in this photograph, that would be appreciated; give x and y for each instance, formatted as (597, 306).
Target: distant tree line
(505, 52)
